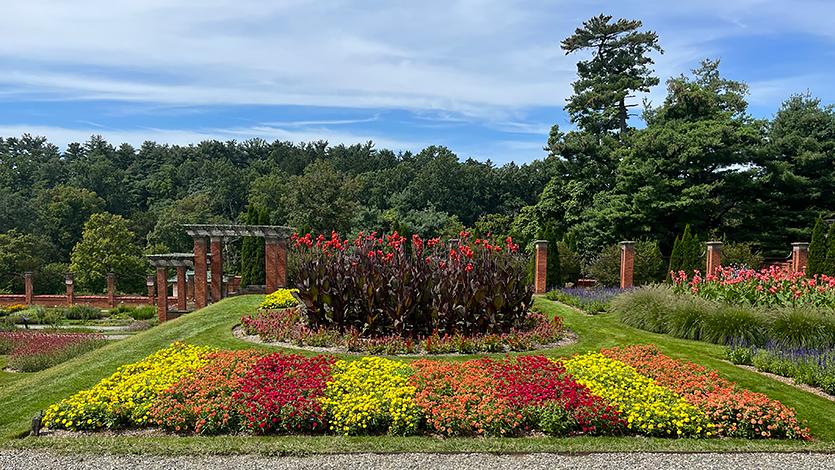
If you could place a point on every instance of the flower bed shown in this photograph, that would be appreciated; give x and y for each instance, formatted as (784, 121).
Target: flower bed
(205, 402)
(774, 286)
(371, 396)
(287, 326)
(31, 351)
(126, 397)
(736, 412)
(190, 389)
(647, 407)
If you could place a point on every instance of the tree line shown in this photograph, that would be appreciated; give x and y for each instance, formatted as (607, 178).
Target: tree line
(696, 158)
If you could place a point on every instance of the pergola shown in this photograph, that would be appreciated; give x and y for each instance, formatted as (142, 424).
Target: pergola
(180, 261)
(275, 255)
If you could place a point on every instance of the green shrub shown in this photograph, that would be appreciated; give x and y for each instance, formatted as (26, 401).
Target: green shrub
(82, 312)
(38, 315)
(145, 312)
(740, 355)
(571, 263)
(552, 418)
(741, 255)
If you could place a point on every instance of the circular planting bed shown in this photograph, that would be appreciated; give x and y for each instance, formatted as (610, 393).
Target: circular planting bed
(393, 295)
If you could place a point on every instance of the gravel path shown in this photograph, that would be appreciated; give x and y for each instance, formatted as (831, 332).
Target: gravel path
(41, 460)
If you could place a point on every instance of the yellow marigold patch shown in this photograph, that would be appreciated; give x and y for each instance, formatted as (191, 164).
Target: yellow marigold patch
(282, 298)
(125, 397)
(647, 407)
(371, 395)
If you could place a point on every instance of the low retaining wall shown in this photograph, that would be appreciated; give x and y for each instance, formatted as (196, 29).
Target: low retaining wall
(100, 301)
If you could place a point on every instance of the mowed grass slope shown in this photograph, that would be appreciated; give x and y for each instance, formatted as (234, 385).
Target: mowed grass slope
(21, 400)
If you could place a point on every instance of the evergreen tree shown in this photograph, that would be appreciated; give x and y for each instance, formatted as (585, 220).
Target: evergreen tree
(620, 65)
(687, 253)
(817, 249)
(675, 257)
(829, 264)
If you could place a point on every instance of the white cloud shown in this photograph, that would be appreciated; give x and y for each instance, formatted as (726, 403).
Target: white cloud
(477, 60)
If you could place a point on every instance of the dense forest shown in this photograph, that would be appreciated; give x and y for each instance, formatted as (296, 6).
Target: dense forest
(697, 158)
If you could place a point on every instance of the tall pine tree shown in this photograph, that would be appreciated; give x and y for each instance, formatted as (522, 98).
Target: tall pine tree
(620, 65)
(817, 249)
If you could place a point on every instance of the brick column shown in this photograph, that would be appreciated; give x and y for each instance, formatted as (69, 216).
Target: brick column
(714, 257)
(149, 283)
(162, 294)
(182, 296)
(27, 287)
(70, 283)
(271, 264)
(541, 267)
(217, 268)
(201, 288)
(800, 256)
(111, 290)
(627, 264)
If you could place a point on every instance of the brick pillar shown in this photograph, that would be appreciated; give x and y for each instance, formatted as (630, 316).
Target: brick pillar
(182, 296)
(27, 287)
(217, 268)
(111, 290)
(149, 283)
(201, 288)
(540, 282)
(800, 256)
(714, 257)
(162, 294)
(70, 283)
(627, 264)
(271, 264)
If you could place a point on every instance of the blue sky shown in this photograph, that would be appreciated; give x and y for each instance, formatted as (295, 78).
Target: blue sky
(485, 78)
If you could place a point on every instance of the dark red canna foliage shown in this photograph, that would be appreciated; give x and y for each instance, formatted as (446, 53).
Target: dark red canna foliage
(412, 288)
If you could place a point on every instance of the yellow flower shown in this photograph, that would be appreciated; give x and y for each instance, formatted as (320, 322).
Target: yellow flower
(645, 404)
(371, 394)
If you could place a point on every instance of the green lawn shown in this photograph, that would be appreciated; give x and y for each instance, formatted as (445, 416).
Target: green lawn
(22, 397)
